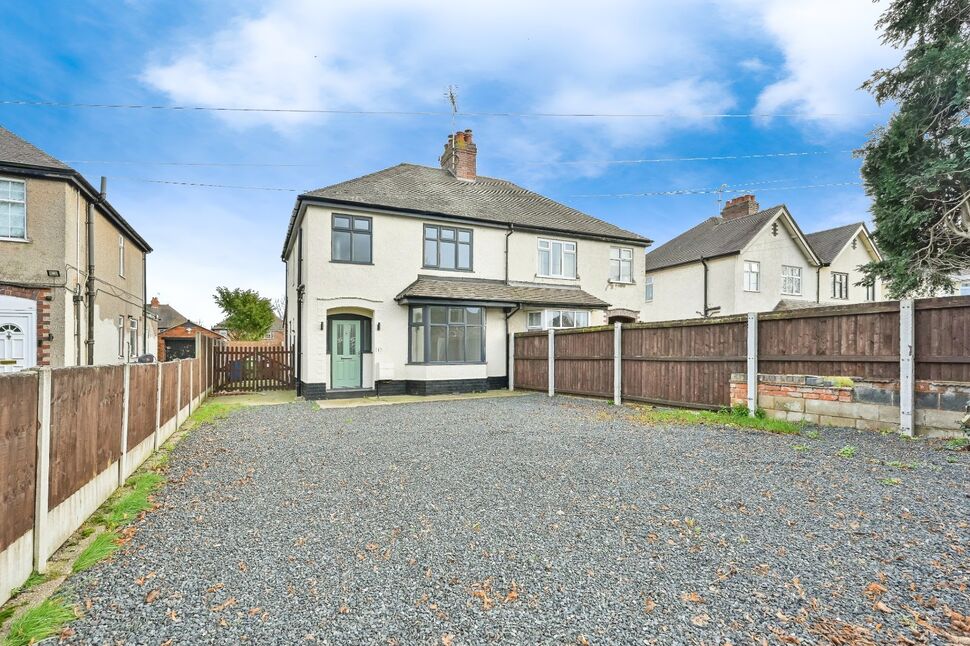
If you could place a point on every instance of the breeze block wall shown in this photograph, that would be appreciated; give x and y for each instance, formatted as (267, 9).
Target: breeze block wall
(853, 403)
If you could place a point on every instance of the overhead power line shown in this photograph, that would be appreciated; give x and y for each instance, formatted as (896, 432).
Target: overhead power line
(565, 162)
(436, 113)
(711, 191)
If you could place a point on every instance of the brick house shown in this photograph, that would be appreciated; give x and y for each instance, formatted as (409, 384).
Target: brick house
(72, 269)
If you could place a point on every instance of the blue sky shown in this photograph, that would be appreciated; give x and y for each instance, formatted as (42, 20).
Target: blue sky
(799, 63)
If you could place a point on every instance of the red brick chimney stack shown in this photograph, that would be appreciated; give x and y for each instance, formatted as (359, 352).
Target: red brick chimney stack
(459, 157)
(739, 207)
(154, 301)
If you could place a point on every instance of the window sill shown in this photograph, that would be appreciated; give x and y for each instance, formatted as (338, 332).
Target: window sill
(446, 363)
(349, 262)
(20, 240)
(557, 277)
(787, 294)
(464, 271)
(622, 282)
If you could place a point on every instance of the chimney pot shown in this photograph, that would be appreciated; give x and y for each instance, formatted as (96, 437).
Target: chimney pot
(739, 207)
(155, 301)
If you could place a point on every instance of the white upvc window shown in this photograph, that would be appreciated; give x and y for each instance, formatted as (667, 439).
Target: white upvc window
(964, 288)
(648, 292)
(791, 280)
(121, 336)
(121, 256)
(13, 209)
(132, 337)
(840, 285)
(557, 258)
(870, 291)
(621, 264)
(752, 276)
(557, 319)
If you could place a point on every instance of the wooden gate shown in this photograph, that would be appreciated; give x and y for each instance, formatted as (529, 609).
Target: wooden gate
(253, 368)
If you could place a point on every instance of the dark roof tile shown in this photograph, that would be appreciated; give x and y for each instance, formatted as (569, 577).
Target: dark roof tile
(828, 243)
(497, 291)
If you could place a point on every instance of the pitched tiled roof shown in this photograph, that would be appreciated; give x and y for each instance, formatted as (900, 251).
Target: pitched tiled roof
(423, 189)
(167, 315)
(711, 238)
(14, 150)
(827, 244)
(497, 291)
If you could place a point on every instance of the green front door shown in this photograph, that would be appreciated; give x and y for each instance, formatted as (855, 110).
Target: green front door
(345, 358)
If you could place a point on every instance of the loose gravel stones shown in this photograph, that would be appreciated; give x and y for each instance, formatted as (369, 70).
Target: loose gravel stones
(535, 520)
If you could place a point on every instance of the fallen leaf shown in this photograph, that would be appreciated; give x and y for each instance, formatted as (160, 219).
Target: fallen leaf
(875, 590)
(512, 594)
(700, 620)
(66, 632)
(343, 610)
(882, 607)
(228, 603)
(691, 597)
(649, 605)
(582, 641)
(254, 611)
(151, 596)
(447, 639)
(171, 614)
(242, 566)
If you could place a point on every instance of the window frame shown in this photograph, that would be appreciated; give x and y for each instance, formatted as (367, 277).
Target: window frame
(648, 293)
(121, 255)
(785, 278)
(756, 272)
(23, 182)
(437, 266)
(562, 258)
(871, 292)
(547, 316)
(426, 326)
(121, 336)
(132, 336)
(840, 285)
(620, 260)
(353, 231)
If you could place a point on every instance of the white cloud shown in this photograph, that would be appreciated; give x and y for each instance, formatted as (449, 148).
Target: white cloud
(829, 48)
(754, 65)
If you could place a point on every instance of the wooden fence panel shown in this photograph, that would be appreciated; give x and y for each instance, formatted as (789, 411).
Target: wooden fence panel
(683, 363)
(859, 341)
(186, 393)
(86, 417)
(532, 361)
(142, 402)
(943, 339)
(584, 362)
(253, 368)
(18, 455)
(170, 372)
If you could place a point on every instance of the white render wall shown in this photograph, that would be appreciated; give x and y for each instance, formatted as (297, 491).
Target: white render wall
(848, 261)
(397, 261)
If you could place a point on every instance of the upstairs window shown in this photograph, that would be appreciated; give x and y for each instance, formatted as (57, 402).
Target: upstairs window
(557, 319)
(351, 239)
(621, 264)
(791, 280)
(13, 209)
(447, 248)
(557, 258)
(648, 292)
(752, 276)
(840, 285)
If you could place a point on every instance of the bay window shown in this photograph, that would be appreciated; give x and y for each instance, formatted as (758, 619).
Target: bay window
(557, 258)
(447, 334)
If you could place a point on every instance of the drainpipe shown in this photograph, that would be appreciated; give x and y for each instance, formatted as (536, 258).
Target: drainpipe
(818, 284)
(509, 315)
(507, 258)
(299, 313)
(91, 292)
(704, 262)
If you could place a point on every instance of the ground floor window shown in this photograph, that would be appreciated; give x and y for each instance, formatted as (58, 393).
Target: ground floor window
(447, 334)
(132, 337)
(557, 319)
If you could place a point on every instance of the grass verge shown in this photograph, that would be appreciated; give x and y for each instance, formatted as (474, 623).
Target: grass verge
(100, 548)
(40, 622)
(130, 501)
(210, 412)
(733, 418)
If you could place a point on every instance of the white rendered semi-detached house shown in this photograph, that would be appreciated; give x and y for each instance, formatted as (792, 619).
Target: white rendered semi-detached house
(756, 260)
(409, 280)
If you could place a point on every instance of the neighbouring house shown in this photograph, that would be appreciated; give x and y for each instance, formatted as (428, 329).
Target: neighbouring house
(842, 251)
(410, 279)
(747, 260)
(275, 336)
(72, 270)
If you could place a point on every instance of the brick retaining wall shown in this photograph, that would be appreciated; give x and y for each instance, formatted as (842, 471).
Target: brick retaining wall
(852, 403)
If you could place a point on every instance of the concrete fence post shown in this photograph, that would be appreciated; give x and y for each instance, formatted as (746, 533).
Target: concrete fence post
(511, 360)
(617, 361)
(191, 384)
(125, 404)
(907, 365)
(752, 363)
(552, 362)
(43, 470)
(158, 406)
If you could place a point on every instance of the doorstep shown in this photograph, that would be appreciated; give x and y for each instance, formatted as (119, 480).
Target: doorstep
(389, 400)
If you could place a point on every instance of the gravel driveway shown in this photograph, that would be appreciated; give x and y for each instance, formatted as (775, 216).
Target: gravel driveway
(529, 520)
